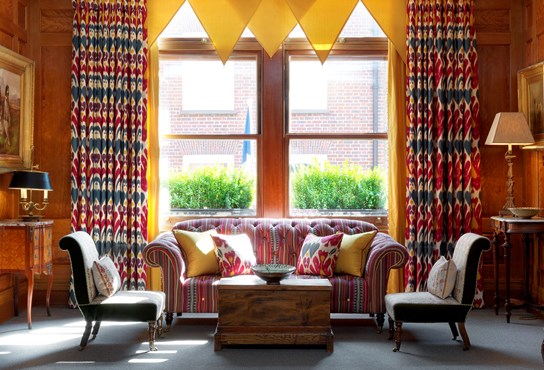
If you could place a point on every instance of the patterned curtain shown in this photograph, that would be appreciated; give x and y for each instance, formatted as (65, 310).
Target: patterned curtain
(109, 150)
(443, 135)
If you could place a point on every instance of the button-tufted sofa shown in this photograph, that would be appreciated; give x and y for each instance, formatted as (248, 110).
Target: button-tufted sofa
(276, 241)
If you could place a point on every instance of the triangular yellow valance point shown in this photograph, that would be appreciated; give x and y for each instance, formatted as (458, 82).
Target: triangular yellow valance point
(322, 21)
(271, 24)
(160, 13)
(391, 16)
(224, 21)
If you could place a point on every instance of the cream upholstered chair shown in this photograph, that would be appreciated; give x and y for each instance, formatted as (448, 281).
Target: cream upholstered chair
(425, 307)
(135, 305)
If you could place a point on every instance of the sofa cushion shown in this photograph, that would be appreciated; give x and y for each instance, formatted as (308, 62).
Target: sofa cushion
(353, 252)
(318, 255)
(106, 277)
(442, 278)
(234, 254)
(199, 251)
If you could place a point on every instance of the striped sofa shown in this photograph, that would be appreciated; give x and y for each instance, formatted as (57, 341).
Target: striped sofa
(276, 241)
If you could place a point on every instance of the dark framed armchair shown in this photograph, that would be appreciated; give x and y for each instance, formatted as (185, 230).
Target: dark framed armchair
(425, 307)
(136, 305)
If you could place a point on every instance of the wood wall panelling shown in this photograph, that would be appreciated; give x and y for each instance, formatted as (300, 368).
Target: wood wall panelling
(533, 35)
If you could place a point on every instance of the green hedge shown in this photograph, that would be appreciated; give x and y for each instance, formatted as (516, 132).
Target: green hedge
(346, 186)
(216, 187)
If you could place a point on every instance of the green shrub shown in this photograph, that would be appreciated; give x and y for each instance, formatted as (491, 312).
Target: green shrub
(346, 186)
(211, 187)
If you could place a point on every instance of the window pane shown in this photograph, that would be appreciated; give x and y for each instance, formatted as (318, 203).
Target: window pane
(200, 95)
(344, 95)
(210, 177)
(338, 177)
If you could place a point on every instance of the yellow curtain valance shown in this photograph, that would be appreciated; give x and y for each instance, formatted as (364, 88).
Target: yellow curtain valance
(271, 21)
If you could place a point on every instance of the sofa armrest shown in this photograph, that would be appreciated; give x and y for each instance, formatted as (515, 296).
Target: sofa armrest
(385, 254)
(164, 252)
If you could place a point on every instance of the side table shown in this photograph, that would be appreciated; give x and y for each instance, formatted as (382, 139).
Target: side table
(26, 247)
(507, 226)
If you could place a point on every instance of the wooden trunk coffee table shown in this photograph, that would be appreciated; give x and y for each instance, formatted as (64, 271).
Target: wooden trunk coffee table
(295, 312)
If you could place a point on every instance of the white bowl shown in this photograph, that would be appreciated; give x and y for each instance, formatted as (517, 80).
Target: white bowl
(524, 212)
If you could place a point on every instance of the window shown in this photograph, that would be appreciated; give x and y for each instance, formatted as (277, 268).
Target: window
(207, 130)
(270, 122)
(344, 147)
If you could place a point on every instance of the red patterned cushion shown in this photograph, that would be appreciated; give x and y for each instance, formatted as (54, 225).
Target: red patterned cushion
(234, 254)
(318, 255)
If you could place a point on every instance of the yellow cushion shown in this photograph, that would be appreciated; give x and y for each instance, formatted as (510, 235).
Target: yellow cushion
(353, 252)
(198, 249)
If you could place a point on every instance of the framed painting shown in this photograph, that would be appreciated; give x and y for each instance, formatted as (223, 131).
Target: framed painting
(531, 98)
(16, 111)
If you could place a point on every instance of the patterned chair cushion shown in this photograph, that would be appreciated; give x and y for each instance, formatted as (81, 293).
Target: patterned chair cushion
(106, 277)
(442, 277)
(318, 255)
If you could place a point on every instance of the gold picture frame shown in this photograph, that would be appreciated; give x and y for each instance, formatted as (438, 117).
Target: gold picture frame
(16, 111)
(531, 98)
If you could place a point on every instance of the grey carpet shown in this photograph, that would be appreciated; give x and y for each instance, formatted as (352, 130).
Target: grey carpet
(53, 344)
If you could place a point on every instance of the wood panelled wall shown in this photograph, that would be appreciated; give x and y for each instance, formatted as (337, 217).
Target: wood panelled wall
(532, 50)
(41, 30)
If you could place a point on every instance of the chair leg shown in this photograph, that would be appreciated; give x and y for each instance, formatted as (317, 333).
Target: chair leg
(152, 330)
(160, 331)
(380, 319)
(464, 335)
(86, 333)
(96, 327)
(398, 332)
(169, 319)
(454, 331)
(391, 328)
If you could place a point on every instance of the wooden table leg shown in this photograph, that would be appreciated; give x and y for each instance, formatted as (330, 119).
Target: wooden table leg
(527, 244)
(48, 294)
(507, 246)
(30, 278)
(16, 294)
(496, 271)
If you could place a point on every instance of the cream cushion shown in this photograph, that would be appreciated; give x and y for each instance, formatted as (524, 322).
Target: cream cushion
(106, 277)
(442, 278)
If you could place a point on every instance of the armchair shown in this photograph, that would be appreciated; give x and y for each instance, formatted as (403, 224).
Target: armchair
(424, 307)
(136, 305)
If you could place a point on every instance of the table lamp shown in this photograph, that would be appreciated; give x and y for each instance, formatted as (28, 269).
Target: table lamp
(509, 128)
(26, 182)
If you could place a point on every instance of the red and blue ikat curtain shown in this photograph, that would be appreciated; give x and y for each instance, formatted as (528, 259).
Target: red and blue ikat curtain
(443, 133)
(108, 130)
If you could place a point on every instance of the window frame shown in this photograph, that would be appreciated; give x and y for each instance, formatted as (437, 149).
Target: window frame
(272, 137)
(371, 48)
(246, 49)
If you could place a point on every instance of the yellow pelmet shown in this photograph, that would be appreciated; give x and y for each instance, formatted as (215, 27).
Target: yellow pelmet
(271, 24)
(159, 14)
(391, 17)
(272, 20)
(224, 21)
(322, 21)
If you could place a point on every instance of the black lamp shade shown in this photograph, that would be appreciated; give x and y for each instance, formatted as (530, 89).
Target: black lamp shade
(31, 180)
